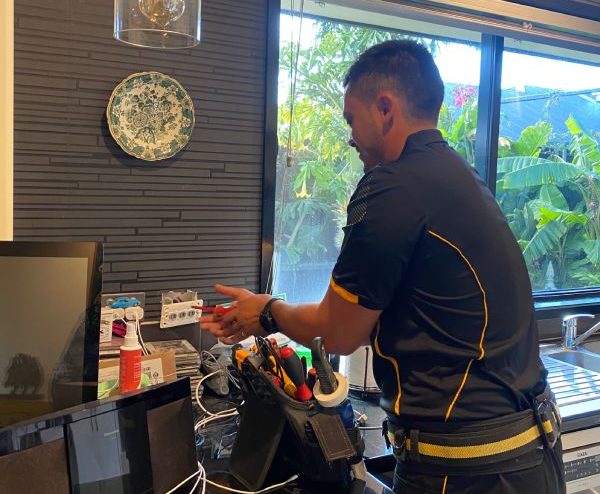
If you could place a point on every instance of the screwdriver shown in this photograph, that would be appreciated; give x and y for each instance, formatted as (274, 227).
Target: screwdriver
(288, 385)
(238, 355)
(218, 310)
(295, 371)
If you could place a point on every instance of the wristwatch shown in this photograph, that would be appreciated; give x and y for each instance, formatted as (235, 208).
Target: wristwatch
(266, 318)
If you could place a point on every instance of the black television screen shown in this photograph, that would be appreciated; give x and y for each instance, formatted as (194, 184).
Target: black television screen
(138, 443)
(50, 306)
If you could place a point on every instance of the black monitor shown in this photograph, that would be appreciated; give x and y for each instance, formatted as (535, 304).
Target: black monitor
(140, 443)
(49, 326)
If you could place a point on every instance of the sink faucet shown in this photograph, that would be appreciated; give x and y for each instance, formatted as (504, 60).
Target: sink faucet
(569, 330)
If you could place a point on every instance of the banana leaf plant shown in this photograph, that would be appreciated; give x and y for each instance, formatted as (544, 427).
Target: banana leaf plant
(559, 199)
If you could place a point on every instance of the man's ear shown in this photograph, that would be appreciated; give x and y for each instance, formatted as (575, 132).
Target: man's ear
(385, 106)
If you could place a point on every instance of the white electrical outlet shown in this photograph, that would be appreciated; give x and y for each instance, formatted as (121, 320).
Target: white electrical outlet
(179, 313)
(134, 313)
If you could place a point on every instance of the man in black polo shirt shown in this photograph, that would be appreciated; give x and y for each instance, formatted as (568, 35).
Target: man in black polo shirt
(431, 274)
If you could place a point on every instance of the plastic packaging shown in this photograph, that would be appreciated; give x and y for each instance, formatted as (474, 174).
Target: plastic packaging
(130, 368)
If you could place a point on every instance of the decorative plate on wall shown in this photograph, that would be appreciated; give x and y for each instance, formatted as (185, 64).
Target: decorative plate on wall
(150, 116)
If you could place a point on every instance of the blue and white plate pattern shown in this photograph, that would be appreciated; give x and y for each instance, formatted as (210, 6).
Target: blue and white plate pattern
(150, 115)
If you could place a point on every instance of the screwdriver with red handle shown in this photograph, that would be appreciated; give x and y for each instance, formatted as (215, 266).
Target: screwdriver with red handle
(218, 310)
(295, 371)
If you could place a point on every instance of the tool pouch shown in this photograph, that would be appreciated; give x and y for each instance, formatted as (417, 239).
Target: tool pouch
(280, 436)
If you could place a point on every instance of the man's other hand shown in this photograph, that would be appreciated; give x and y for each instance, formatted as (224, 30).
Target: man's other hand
(240, 322)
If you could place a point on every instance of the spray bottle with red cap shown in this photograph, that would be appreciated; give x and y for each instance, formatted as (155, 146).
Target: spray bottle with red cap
(130, 357)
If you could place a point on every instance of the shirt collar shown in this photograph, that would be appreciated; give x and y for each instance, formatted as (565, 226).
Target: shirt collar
(423, 138)
(420, 139)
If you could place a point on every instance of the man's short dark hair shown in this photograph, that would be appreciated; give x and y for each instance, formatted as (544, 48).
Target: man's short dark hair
(405, 67)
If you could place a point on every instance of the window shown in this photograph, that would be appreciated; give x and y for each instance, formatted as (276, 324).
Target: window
(313, 191)
(549, 163)
(548, 167)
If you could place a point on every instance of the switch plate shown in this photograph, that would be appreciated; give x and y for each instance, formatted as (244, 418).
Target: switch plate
(179, 313)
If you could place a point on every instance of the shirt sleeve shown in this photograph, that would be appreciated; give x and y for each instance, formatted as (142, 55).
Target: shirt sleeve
(384, 225)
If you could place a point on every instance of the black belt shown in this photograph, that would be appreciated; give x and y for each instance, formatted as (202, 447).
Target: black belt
(482, 444)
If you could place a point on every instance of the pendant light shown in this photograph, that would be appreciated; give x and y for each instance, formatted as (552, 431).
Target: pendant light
(168, 24)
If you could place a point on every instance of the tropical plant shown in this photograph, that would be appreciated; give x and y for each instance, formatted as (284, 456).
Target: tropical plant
(458, 122)
(552, 205)
(547, 180)
(316, 168)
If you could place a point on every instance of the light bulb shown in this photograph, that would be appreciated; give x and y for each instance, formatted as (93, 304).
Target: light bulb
(162, 12)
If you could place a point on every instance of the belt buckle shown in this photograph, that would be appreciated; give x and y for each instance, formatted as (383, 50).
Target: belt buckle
(547, 410)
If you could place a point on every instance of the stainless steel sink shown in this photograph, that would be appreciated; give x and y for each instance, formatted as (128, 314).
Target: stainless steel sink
(580, 359)
(574, 377)
(591, 346)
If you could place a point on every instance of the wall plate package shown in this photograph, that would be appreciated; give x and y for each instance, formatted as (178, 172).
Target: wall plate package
(178, 308)
(123, 300)
(107, 318)
(116, 308)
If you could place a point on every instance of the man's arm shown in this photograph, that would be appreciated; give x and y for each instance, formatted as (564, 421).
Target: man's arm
(343, 325)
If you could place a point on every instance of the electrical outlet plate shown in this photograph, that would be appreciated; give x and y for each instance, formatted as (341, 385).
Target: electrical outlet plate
(179, 313)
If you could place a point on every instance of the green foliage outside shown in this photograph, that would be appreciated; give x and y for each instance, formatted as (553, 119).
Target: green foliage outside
(549, 192)
(550, 195)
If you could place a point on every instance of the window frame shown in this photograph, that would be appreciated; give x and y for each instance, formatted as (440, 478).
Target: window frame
(547, 304)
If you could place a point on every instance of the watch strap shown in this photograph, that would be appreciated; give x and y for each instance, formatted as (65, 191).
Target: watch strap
(266, 319)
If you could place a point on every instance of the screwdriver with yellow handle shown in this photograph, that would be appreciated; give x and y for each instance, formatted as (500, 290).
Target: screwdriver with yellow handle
(288, 385)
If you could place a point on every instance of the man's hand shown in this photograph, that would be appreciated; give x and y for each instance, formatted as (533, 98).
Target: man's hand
(240, 322)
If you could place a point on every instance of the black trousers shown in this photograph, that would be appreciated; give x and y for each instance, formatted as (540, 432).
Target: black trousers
(547, 477)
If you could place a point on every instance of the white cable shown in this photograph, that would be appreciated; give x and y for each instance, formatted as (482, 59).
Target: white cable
(204, 378)
(361, 418)
(197, 472)
(211, 416)
(193, 489)
(261, 491)
(138, 328)
(201, 474)
(206, 355)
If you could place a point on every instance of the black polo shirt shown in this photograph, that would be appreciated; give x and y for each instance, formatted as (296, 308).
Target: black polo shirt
(426, 243)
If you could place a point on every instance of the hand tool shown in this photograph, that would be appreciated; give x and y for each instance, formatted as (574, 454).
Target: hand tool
(293, 368)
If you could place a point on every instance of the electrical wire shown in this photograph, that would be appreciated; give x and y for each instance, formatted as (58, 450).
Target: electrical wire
(211, 416)
(206, 355)
(193, 489)
(293, 77)
(261, 491)
(197, 473)
(201, 474)
(138, 328)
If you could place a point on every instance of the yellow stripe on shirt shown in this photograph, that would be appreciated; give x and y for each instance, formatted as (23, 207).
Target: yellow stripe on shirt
(342, 292)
